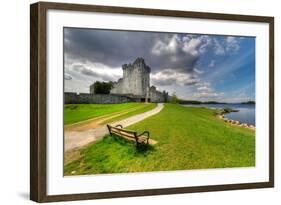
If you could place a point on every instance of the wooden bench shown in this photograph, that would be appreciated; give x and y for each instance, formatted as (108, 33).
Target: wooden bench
(142, 138)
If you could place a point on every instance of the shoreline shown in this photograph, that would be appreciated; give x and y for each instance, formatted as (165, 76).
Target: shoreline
(235, 122)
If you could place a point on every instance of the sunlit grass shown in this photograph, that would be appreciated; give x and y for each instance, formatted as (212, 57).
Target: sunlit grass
(188, 138)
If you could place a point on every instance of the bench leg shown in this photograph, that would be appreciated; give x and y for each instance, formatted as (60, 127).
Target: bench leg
(109, 130)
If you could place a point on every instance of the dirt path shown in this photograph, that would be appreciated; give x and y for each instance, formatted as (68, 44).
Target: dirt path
(95, 122)
(79, 137)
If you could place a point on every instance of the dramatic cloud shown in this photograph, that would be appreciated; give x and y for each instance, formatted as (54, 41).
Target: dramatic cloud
(164, 48)
(96, 72)
(228, 44)
(204, 88)
(171, 77)
(232, 44)
(192, 46)
(114, 48)
(103, 76)
(111, 48)
(218, 48)
(174, 52)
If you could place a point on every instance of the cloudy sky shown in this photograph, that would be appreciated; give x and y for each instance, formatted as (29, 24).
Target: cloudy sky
(194, 66)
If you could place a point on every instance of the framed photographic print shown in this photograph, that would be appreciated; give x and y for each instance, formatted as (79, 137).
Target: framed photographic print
(135, 102)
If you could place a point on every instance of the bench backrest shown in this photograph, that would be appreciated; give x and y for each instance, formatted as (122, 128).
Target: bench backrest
(123, 132)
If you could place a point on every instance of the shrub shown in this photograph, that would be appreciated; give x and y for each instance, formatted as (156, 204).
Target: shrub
(101, 87)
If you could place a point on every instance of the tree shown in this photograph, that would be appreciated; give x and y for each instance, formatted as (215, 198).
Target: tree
(102, 87)
(174, 99)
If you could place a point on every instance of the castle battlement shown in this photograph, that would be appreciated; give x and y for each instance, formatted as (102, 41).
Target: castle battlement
(139, 63)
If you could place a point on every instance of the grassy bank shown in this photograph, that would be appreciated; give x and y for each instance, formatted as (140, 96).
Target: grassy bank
(188, 138)
(79, 112)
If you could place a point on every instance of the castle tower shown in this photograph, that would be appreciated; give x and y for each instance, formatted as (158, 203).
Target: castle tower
(136, 79)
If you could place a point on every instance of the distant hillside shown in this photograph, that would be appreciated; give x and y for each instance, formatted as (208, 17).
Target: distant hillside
(199, 102)
(249, 102)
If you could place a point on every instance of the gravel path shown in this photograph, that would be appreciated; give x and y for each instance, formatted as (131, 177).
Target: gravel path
(76, 139)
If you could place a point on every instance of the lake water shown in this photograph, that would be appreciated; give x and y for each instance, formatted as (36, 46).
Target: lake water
(245, 114)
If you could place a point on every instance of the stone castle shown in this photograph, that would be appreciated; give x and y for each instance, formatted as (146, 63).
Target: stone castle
(135, 84)
(135, 81)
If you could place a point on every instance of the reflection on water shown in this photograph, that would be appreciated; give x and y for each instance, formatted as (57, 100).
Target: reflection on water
(245, 114)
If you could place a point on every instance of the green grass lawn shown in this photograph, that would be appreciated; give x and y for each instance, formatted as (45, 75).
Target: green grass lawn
(188, 138)
(79, 112)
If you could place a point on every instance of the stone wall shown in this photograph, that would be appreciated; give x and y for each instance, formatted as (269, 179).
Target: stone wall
(87, 98)
(157, 96)
(117, 87)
